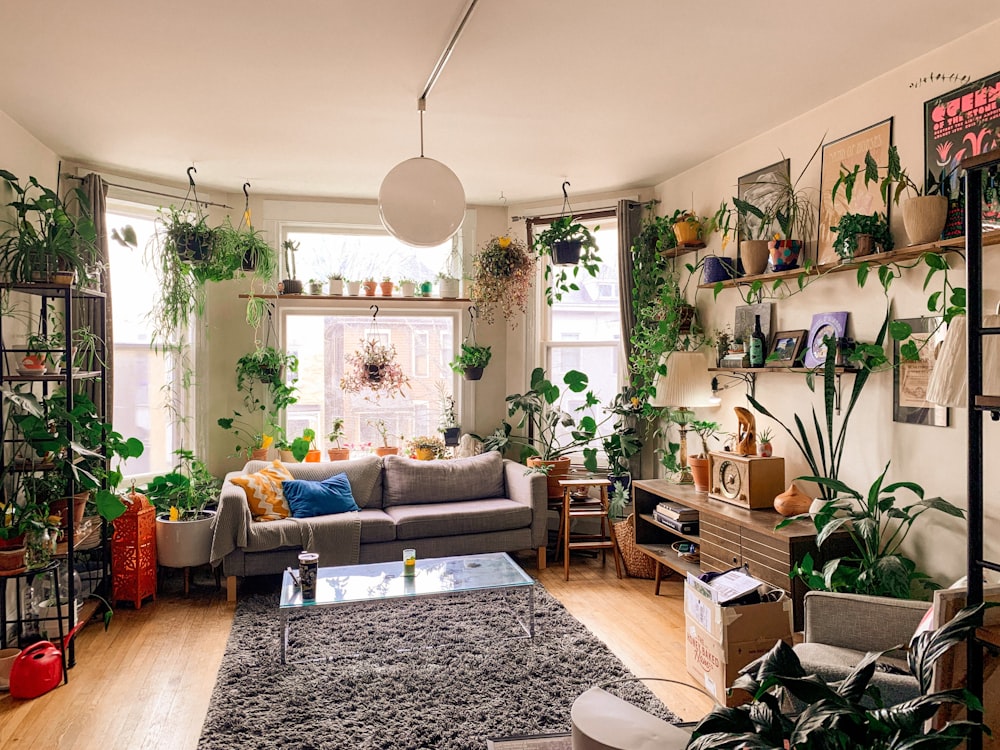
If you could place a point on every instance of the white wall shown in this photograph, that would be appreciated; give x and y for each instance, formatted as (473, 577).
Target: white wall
(930, 456)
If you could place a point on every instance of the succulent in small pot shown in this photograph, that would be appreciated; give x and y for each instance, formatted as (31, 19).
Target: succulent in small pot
(407, 287)
(369, 286)
(385, 286)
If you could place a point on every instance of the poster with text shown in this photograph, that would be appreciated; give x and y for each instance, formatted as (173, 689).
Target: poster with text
(961, 123)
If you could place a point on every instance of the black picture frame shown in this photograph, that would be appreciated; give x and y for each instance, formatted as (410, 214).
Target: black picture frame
(960, 123)
(786, 348)
(909, 379)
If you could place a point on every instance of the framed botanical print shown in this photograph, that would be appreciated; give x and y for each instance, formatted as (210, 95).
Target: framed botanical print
(848, 152)
(825, 326)
(910, 378)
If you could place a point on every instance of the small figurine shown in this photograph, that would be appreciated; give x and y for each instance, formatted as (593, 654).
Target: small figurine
(746, 436)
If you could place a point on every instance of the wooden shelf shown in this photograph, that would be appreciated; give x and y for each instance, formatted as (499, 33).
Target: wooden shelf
(356, 298)
(650, 518)
(49, 289)
(988, 402)
(663, 553)
(676, 252)
(989, 635)
(800, 370)
(878, 259)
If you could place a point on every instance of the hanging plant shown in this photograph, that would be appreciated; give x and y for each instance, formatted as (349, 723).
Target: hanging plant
(502, 273)
(374, 367)
(570, 247)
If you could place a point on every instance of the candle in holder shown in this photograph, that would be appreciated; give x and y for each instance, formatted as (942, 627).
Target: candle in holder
(409, 562)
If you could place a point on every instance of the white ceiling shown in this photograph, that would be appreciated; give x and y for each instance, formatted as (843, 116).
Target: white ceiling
(318, 97)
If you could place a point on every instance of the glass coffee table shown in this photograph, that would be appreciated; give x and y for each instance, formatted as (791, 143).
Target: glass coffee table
(436, 576)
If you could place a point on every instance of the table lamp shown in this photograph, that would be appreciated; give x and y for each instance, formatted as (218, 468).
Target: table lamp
(686, 385)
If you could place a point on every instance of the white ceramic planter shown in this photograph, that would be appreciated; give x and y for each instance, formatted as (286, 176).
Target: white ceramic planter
(924, 218)
(448, 288)
(336, 286)
(407, 288)
(354, 288)
(184, 544)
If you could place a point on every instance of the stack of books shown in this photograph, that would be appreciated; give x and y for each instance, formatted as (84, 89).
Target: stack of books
(677, 517)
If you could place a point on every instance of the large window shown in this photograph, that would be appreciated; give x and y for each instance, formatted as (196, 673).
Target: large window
(141, 376)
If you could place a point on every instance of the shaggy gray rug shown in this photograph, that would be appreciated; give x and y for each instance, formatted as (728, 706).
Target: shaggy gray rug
(477, 681)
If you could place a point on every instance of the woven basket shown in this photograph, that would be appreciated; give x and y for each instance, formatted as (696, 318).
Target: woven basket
(637, 563)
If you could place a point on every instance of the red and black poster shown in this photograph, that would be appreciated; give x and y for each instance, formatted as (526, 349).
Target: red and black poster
(962, 123)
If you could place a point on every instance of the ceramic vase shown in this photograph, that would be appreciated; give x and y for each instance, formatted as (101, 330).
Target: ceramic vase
(754, 254)
(924, 217)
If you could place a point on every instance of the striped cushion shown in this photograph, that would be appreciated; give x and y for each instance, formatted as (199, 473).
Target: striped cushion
(264, 494)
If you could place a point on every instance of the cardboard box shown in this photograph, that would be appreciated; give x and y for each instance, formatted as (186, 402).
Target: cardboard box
(746, 623)
(715, 667)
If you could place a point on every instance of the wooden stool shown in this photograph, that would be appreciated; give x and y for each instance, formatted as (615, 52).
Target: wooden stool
(589, 508)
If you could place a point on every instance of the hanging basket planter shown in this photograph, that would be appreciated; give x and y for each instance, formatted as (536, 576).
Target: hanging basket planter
(373, 367)
(566, 252)
(473, 373)
(374, 373)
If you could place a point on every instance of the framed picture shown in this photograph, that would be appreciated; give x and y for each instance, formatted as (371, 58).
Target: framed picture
(745, 316)
(961, 123)
(824, 326)
(756, 188)
(849, 151)
(786, 348)
(910, 379)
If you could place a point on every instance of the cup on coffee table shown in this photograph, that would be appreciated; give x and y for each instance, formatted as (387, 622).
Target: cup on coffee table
(308, 570)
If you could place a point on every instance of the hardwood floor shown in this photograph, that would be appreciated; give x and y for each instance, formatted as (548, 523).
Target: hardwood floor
(146, 682)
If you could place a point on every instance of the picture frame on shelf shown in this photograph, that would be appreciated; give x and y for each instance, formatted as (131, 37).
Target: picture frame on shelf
(958, 124)
(910, 379)
(824, 325)
(786, 348)
(745, 314)
(848, 152)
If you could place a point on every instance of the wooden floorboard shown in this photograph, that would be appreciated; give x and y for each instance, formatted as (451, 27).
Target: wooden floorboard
(146, 682)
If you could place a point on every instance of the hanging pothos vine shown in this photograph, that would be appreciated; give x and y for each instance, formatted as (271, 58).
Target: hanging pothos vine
(373, 367)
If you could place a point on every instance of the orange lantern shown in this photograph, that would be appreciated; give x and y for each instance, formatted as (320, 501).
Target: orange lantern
(133, 551)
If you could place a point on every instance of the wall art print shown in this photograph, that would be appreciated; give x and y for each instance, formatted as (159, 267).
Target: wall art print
(848, 151)
(910, 379)
(756, 188)
(963, 122)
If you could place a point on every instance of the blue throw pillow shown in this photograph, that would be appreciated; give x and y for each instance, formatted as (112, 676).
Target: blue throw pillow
(309, 499)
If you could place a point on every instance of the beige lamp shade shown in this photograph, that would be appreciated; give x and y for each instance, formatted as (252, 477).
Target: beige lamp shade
(687, 383)
(949, 381)
(421, 202)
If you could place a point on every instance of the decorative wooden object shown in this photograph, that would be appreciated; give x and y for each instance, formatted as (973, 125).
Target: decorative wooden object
(133, 552)
(746, 433)
(792, 501)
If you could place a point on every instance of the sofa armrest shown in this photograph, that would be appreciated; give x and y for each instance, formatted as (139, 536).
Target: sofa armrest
(232, 520)
(530, 490)
(863, 623)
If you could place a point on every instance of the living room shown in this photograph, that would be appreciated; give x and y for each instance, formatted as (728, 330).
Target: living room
(116, 668)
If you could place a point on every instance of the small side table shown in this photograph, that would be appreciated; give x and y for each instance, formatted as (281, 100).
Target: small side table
(21, 580)
(587, 508)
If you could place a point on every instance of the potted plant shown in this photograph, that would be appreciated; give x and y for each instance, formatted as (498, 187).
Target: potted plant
(336, 451)
(45, 236)
(764, 437)
(426, 288)
(374, 367)
(315, 287)
(385, 286)
(183, 522)
(407, 287)
(353, 287)
(623, 442)
(924, 212)
(878, 525)
(448, 424)
(503, 270)
(251, 440)
(471, 361)
(552, 432)
(385, 449)
(290, 285)
(699, 461)
(241, 249)
(848, 713)
(860, 234)
(370, 286)
(185, 233)
(566, 242)
(267, 365)
(335, 284)
(448, 286)
(427, 448)
(687, 228)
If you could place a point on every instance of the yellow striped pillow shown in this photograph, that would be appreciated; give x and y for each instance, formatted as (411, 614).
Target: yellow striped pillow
(264, 494)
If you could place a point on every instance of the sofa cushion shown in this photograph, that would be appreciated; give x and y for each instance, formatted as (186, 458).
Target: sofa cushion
(264, 492)
(408, 482)
(458, 517)
(377, 526)
(307, 498)
(364, 474)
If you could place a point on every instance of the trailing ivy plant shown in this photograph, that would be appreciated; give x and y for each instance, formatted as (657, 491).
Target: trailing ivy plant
(851, 225)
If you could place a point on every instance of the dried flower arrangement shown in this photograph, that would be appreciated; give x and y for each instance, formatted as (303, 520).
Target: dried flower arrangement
(374, 367)
(503, 270)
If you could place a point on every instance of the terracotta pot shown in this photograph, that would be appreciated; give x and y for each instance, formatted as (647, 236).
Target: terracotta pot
(386, 450)
(385, 287)
(258, 454)
(313, 456)
(699, 471)
(792, 501)
(754, 254)
(424, 454)
(369, 288)
(14, 543)
(559, 470)
(12, 559)
(59, 507)
(338, 454)
(924, 217)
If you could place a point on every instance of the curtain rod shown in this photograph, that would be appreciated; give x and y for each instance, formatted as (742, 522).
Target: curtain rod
(153, 192)
(593, 213)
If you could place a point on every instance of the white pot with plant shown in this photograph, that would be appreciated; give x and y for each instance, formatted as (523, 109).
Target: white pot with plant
(407, 287)
(183, 523)
(335, 284)
(449, 287)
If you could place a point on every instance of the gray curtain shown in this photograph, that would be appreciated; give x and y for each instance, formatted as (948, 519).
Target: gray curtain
(96, 190)
(629, 220)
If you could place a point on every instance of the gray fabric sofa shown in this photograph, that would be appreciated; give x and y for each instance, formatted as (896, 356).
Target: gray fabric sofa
(841, 628)
(461, 506)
